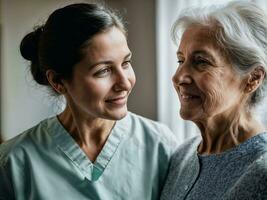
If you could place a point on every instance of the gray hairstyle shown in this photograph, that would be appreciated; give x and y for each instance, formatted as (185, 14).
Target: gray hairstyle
(240, 28)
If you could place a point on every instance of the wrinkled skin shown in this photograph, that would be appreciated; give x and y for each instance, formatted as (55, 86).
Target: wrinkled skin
(212, 94)
(205, 81)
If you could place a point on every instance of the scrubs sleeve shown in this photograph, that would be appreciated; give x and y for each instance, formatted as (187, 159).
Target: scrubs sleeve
(6, 190)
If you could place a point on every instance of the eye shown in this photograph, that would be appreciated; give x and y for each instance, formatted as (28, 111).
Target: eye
(179, 61)
(201, 61)
(126, 63)
(103, 72)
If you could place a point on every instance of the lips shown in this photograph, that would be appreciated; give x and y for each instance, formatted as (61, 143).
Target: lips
(187, 97)
(119, 100)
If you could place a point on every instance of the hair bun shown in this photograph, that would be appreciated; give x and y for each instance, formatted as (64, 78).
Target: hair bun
(29, 45)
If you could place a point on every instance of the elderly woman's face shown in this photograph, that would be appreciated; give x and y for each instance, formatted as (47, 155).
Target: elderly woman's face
(206, 83)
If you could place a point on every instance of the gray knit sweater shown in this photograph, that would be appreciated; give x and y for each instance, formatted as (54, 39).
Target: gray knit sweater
(238, 173)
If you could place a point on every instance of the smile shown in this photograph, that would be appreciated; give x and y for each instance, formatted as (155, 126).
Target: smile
(189, 98)
(118, 100)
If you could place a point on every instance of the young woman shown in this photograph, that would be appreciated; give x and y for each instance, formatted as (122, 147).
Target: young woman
(95, 149)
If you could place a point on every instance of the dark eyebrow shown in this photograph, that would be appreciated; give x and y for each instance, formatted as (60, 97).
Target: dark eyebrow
(106, 62)
(128, 55)
(109, 61)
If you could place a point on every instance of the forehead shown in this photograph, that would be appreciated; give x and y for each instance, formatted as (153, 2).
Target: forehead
(107, 45)
(198, 38)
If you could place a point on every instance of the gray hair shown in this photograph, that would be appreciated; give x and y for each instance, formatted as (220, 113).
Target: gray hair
(240, 28)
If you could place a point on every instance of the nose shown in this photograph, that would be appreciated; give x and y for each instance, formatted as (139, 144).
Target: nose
(182, 76)
(122, 80)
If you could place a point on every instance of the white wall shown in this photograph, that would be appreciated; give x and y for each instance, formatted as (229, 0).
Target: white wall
(23, 103)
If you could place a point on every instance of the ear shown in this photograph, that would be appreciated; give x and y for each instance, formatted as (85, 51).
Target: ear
(255, 79)
(55, 81)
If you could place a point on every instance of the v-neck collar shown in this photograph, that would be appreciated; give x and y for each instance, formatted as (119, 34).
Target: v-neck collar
(92, 171)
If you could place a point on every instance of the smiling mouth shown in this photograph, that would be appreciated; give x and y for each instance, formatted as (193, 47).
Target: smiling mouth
(118, 100)
(188, 98)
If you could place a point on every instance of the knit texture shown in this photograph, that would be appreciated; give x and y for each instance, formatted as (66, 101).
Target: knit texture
(238, 173)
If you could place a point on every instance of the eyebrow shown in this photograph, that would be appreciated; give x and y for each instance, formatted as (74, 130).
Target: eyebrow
(109, 61)
(128, 55)
(199, 52)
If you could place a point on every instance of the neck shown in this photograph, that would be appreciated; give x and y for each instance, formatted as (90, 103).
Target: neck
(90, 133)
(220, 133)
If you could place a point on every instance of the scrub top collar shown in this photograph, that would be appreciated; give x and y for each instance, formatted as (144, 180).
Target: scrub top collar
(91, 171)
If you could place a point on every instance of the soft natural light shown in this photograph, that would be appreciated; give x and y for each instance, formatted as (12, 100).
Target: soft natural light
(168, 103)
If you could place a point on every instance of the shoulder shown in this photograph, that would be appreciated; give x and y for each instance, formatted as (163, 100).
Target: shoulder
(14, 154)
(252, 184)
(183, 169)
(189, 144)
(257, 171)
(22, 143)
(185, 156)
(186, 150)
(152, 129)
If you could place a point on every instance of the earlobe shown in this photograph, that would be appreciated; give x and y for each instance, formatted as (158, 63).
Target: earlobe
(55, 81)
(255, 79)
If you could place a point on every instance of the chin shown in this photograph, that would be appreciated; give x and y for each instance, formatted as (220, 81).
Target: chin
(118, 114)
(187, 115)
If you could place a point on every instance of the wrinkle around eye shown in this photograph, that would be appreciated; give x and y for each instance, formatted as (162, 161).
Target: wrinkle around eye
(202, 64)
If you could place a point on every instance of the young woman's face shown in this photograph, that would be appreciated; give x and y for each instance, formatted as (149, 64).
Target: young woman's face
(205, 81)
(103, 79)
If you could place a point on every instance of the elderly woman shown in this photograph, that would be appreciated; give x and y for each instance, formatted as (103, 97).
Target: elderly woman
(95, 149)
(220, 81)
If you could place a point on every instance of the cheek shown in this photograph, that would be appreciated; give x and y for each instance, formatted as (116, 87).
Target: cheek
(99, 90)
(131, 77)
(212, 87)
(93, 91)
(132, 74)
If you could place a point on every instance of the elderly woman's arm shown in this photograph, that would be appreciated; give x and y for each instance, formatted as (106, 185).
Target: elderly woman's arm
(253, 184)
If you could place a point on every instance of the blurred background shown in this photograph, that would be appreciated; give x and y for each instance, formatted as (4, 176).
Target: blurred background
(24, 103)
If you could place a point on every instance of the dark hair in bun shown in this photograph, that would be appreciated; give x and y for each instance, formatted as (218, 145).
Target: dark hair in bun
(29, 51)
(58, 44)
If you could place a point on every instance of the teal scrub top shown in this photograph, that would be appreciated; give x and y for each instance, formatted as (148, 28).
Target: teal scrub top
(46, 163)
